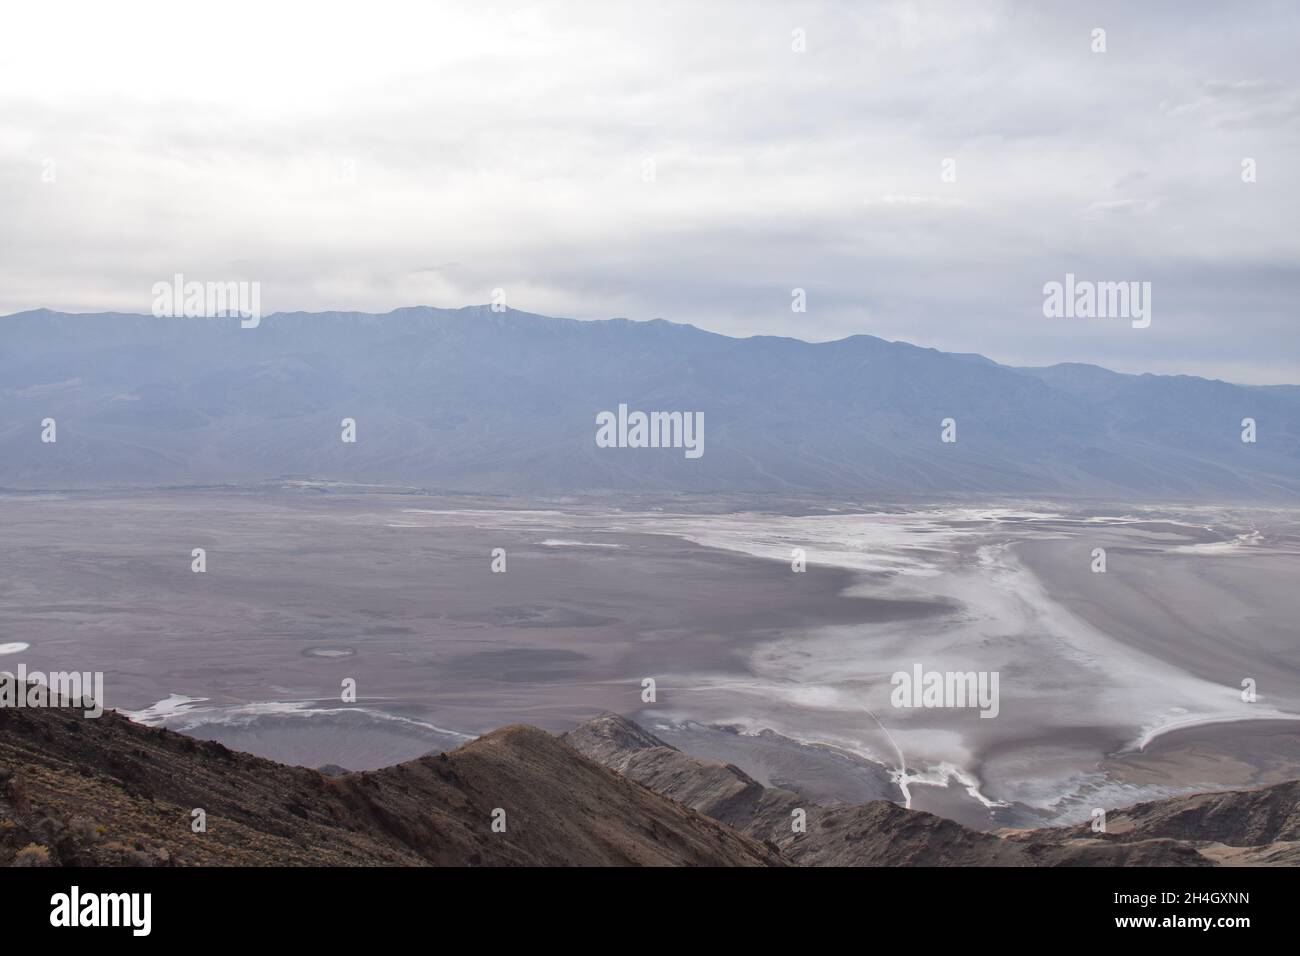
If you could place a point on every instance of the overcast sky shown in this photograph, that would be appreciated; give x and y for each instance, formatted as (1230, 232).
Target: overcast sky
(375, 155)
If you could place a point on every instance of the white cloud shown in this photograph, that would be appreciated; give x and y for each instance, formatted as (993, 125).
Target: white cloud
(392, 154)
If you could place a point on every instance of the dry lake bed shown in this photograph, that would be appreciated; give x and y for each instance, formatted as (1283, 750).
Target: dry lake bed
(1114, 686)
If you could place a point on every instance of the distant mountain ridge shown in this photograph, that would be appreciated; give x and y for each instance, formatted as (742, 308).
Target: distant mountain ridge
(471, 399)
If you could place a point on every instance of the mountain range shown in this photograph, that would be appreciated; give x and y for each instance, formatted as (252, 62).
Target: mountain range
(507, 402)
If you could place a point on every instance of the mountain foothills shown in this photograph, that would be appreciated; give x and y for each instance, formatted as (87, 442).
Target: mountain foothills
(1233, 828)
(112, 792)
(509, 402)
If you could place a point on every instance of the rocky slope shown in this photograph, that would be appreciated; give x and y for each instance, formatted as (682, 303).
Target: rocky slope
(111, 792)
(1261, 826)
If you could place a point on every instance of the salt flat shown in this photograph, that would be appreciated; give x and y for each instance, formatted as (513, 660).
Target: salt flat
(1115, 686)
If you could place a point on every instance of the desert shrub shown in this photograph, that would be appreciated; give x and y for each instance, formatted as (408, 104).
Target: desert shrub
(33, 854)
(84, 829)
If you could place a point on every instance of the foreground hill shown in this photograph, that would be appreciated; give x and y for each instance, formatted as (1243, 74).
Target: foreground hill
(507, 402)
(111, 792)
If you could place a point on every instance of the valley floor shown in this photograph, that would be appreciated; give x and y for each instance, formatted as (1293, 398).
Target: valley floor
(1116, 687)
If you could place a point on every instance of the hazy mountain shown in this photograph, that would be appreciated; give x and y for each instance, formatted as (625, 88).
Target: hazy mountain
(475, 400)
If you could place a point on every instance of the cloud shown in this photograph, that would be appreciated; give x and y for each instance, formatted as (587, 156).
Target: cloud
(598, 159)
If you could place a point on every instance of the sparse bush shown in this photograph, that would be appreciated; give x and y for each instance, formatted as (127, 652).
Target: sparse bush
(84, 829)
(33, 854)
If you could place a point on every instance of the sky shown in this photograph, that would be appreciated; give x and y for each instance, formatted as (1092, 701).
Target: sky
(695, 162)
